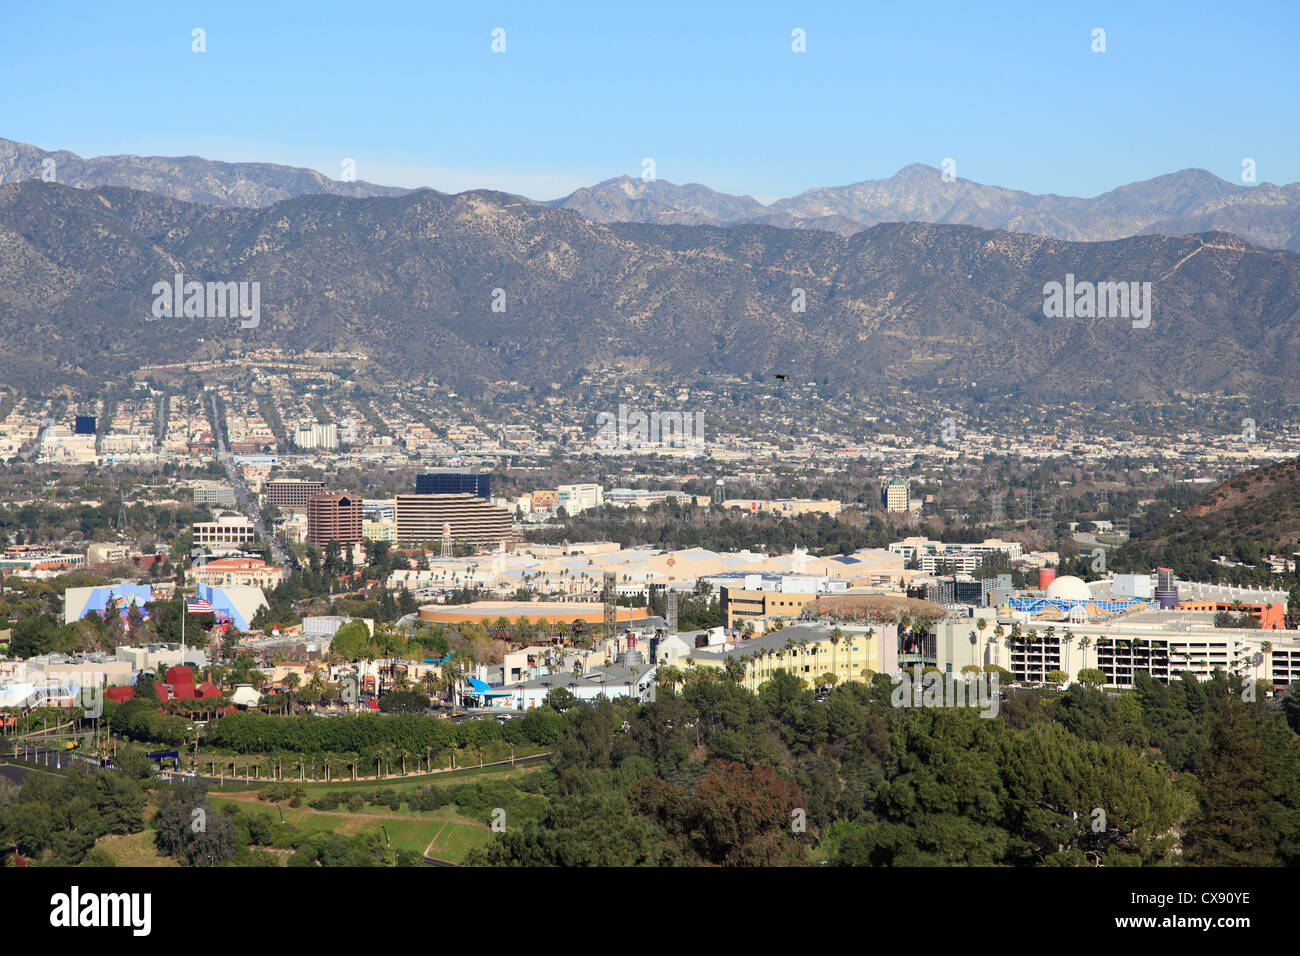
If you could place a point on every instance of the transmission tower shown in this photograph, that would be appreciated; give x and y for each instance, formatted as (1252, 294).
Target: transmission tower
(998, 515)
(670, 610)
(609, 597)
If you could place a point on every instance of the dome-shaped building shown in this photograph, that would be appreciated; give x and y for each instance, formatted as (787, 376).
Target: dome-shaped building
(1068, 588)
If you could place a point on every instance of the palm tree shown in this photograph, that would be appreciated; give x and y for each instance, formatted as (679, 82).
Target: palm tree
(1067, 640)
(1266, 648)
(452, 674)
(980, 625)
(836, 636)
(669, 676)
(292, 681)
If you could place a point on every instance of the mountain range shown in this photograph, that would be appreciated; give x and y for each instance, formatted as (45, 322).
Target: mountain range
(412, 280)
(1180, 203)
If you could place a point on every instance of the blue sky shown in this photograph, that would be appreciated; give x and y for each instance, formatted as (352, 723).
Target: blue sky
(414, 94)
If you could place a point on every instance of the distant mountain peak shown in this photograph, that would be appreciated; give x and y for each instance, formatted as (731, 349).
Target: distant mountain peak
(1191, 200)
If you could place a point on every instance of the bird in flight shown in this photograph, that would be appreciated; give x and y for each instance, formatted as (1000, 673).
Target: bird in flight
(780, 376)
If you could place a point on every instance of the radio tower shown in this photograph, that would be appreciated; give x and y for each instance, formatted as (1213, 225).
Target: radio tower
(670, 610)
(998, 516)
(608, 597)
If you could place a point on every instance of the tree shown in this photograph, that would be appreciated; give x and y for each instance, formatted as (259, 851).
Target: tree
(403, 702)
(600, 829)
(292, 680)
(666, 675)
(735, 816)
(188, 828)
(1229, 829)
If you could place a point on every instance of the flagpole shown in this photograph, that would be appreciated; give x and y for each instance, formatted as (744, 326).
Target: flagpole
(184, 615)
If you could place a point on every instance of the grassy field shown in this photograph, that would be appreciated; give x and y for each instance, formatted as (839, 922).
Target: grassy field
(134, 849)
(451, 833)
(455, 840)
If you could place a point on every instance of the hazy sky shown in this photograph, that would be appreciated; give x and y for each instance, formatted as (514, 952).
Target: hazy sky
(414, 93)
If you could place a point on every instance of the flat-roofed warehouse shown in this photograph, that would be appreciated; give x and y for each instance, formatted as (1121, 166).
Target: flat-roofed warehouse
(562, 612)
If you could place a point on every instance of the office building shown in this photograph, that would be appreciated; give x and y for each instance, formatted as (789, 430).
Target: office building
(310, 435)
(421, 519)
(334, 517)
(227, 529)
(291, 494)
(894, 495)
(214, 494)
(455, 481)
(575, 499)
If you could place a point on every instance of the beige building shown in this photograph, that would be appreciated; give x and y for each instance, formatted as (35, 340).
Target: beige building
(227, 529)
(895, 495)
(471, 520)
(740, 604)
(250, 572)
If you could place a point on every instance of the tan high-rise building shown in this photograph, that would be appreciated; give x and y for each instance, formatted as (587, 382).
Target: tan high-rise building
(292, 494)
(895, 494)
(334, 517)
(421, 518)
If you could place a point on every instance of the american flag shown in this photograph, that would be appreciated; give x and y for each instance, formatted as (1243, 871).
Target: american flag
(196, 605)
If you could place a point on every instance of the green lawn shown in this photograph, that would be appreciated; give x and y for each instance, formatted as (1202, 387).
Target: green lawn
(455, 840)
(134, 849)
(456, 834)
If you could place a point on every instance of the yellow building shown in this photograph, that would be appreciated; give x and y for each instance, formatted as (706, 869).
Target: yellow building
(809, 652)
(741, 604)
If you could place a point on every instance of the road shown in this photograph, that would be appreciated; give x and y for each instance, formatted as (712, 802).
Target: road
(243, 497)
(35, 450)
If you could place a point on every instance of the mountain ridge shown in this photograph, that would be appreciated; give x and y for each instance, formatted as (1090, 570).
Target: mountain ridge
(411, 281)
(1187, 201)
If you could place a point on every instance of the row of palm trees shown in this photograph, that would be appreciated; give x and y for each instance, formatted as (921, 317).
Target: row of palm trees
(1066, 640)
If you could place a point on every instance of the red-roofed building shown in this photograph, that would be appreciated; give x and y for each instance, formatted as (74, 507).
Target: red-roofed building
(180, 674)
(248, 572)
(119, 694)
(209, 689)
